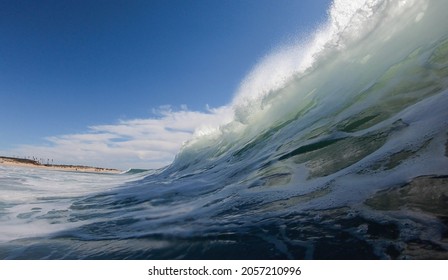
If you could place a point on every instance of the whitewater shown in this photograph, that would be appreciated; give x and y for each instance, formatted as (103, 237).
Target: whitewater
(337, 148)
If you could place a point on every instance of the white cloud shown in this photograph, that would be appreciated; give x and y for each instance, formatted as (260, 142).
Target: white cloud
(137, 143)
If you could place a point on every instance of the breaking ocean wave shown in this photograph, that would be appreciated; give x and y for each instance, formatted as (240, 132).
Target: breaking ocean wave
(338, 149)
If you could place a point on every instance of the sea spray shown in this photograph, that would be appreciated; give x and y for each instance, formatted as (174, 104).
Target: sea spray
(345, 57)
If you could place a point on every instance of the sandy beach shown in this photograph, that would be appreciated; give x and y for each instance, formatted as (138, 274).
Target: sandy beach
(18, 162)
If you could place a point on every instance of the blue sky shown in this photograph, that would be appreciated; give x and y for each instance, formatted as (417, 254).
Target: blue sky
(115, 72)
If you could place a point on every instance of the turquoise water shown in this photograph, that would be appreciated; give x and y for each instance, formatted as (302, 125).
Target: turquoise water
(339, 155)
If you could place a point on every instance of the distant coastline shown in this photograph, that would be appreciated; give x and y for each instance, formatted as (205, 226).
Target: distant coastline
(23, 162)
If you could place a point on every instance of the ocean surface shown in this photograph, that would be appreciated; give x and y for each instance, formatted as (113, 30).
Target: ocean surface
(338, 150)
